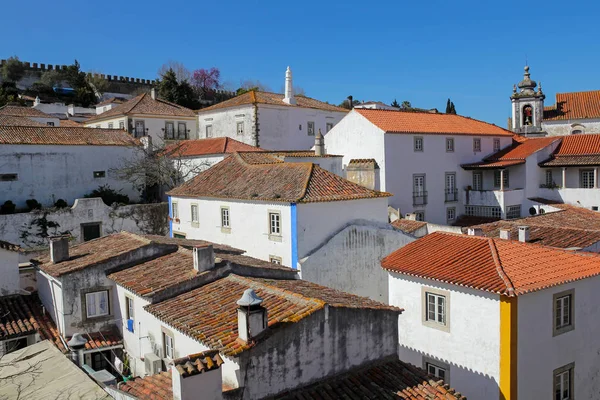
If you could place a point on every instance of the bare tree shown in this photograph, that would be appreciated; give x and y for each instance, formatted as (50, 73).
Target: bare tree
(250, 84)
(181, 72)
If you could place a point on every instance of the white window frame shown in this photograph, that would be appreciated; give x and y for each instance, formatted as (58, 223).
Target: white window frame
(225, 219)
(170, 130)
(310, 128)
(563, 379)
(194, 209)
(586, 178)
(497, 175)
(129, 308)
(450, 214)
(436, 318)
(563, 318)
(94, 299)
(168, 345)
(328, 126)
(449, 145)
(208, 131)
(476, 145)
(419, 144)
(274, 223)
(182, 133)
(174, 210)
(240, 128)
(496, 145)
(477, 180)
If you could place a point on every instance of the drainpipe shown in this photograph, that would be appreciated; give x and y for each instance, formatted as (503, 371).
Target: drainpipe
(564, 177)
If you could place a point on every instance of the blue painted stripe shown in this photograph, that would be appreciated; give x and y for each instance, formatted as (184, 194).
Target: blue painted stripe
(294, 224)
(170, 218)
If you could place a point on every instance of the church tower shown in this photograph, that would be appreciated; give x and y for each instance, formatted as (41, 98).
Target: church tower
(527, 106)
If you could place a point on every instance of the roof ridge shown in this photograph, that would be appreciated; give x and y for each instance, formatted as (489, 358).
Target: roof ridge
(500, 270)
(253, 97)
(307, 182)
(274, 289)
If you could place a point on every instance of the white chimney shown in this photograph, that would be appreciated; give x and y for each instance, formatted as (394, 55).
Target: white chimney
(153, 94)
(319, 144)
(411, 217)
(252, 317)
(204, 258)
(523, 234)
(289, 88)
(475, 232)
(198, 376)
(59, 249)
(505, 234)
(37, 101)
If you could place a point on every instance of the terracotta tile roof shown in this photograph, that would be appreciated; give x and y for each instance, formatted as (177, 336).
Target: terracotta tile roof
(48, 135)
(198, 363)
(574, 105)
(151, 387)
(299, 154)
(203, 147)
(391, 379)
(576, 150)
(11, 120)
(363, 161)
(18, 111)
(98, 340)
(408, 225)
(515, 154)
(506, 267)
(68, 123)
(257, 97)
(112, 100)
(190, 243)
(24, 315)
(215, 325)
(145, 104)
(257, 176)
(391, 121)
(9, 246)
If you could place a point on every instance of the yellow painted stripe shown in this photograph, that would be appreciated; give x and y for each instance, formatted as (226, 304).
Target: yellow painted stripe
(508, 348)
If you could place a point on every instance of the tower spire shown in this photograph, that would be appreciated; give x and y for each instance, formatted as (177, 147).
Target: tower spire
(289, 88)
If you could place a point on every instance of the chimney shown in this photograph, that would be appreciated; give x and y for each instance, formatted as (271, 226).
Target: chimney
(410, 217)
(76, 344)
(351, 102)
(252, 317)
(204, 258)
(475, 232)
(198, 373)
(505, 234)
(37, 101)
(289, 88)
(59, 249)
(523, 234)
(319, 144)
(153, 94)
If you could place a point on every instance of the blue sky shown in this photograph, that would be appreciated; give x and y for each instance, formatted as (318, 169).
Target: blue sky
(421, 51)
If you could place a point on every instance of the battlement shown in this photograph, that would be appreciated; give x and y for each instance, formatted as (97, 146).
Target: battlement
(112, 78)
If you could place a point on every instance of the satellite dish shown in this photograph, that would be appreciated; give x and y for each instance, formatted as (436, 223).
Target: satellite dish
(532, 211)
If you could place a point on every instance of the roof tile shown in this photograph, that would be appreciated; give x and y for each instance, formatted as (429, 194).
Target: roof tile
(48, 135)
(11, 120)
(19, 111)
(574, 105)
(203, 147)
(145, 104)
(576, 150)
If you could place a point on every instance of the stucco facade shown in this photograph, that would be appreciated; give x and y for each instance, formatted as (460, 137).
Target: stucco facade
(566, 127)
(9, 271)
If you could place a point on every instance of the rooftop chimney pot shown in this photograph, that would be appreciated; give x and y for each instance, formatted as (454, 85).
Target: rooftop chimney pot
(319, 144)
(59, 249)
(289, 88)
(523, 234)
(475, 232)
(153, 94)
(204, 258)
(252, 317)
(505, 234)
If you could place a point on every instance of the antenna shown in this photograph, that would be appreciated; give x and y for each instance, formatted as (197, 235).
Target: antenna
(526, 63)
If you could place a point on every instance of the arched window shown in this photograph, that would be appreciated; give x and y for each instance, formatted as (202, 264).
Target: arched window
(527, 115)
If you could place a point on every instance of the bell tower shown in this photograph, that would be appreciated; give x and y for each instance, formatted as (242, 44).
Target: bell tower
(527, 106)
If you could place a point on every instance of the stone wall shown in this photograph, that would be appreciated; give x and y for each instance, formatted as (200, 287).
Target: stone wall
(31, 230)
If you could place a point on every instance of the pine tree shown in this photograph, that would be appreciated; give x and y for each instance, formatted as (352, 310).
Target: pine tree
(448, 107)
(395, 103)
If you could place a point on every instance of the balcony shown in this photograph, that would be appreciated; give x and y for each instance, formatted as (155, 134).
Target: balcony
(451, 195)
(581, 197)
(500, 198)
(419, 198)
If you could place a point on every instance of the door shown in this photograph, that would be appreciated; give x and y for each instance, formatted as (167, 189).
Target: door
(140, 128)
(450, 186)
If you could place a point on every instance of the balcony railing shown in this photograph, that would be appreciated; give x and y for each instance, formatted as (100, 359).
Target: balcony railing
(419, 198)
(451, 195)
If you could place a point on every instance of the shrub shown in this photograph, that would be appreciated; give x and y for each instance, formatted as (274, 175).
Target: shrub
(33, 204)
(109, 196)
(8, 207)
(60, 203)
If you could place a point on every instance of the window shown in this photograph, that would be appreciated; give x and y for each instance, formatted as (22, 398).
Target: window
(121, 124)
(497, 178)
(8, 177)
(476, 144)
(449, 145)
(563, 312)
(477, 180)
(225, 217)
(310, 128)
(182, 130)
(549, 179)
(275, 260)
(420, 215)
(240, 128)
(328, 126)
(435, 370)
(450, 214)
(168, 345)
(99, 174)
(140, 129)
(586, 178)
(91, 230)
(208, 130)
(496, 145)
(419, 193)
(174, 211)
(110, 125)
(513, 212)
(563, 382)
(450, 189)
(97, 304)
(274, 223)
(169, 130)
(483, 211)
(194, 211)
(435, 308)
(418, 143)
(50, 123)
(129, 307)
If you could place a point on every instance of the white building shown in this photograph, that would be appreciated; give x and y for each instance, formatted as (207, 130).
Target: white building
(147, 115)
(110, 103)
(63, 111)
(416, 156)
(499, 318)
(270, 120)
(52, 163)
(275, 210)
(29, 113)
(9, 268)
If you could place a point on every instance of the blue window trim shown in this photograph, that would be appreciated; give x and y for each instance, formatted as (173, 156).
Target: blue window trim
(294, 223)
(170, 218)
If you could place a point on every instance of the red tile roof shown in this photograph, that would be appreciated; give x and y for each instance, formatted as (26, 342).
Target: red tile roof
(215, 324)
(500, 266)
(257, 176)
(10, 246)
(391, 121)
(70, 123)
(408, 225)
(574, 105)
(10, 120)
(515, 154)
(48, 135)
(198, 363)
(203, 147)
(112, 100)
(144, 104)
(298, 154)
(18, 111)
(98, 340)
(151, 387)
(257, 97)
(576, 150)
(24, 315)
(391, 379)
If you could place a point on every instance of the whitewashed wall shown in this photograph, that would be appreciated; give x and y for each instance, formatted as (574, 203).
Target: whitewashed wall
(224, 123)
(51, 296)
(472, 345)
(331, 164)
(198, 163)
(49, 173)
(9, 272)
(564, 127)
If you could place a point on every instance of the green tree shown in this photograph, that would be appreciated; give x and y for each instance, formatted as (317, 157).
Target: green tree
(395, 104)
(9, 94)
(52, 78)
(13, 70)
(405, 105)
(84, 94)
(450, 109)
(182, 93)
